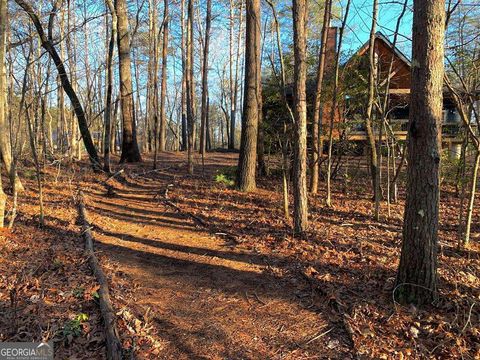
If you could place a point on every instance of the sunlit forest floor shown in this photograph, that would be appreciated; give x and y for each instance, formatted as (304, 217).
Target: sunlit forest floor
(198, 270)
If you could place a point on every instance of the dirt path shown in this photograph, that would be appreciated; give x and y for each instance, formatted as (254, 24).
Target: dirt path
(205, 298)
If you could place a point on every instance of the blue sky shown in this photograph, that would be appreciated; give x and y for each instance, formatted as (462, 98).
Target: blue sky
(360, 20)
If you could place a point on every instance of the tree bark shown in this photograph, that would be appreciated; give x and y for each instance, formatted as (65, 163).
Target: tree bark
(204, 115)
(130, 151)
(471, 200)
(372, 78)
(334, 106)
(417, 272)
(261, 164)
(231, 139)
(163, 117)
(317, 125)
(300, 210)
(3, 80)
(190, 87)
(184, 79)
(108, 94)
(248, 146)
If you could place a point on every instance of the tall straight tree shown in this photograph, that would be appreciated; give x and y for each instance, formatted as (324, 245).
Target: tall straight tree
(233, 114)
(203, 125)
(163, 116)
(5, 141)
(317, 126)
(232, 85)
(184, 77)
(333, 109)
(190, 87)
(130, 151)
(417, 272)
(372, 85)
(152, 85)
(109, 90)
(248, 145)
(300, 209)
(3, 80)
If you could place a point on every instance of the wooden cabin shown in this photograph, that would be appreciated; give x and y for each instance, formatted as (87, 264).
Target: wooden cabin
(356, 69)
(351, 108)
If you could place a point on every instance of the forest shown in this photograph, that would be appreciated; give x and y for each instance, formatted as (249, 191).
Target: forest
(239, 179)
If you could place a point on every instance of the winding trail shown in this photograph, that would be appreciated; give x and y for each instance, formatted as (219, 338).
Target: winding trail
(208, 300)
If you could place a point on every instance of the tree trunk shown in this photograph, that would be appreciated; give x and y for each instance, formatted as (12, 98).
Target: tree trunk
(207, 125)
(261, 164)
(130, 151)
(334, 106)
(5, 139)
(184, 78)
(300, 210)
(248, 146)
(108, 94)
(153, 82)
(316, 125)
(372, 78)
(417, 272)
(163, 117)
(67, 86)
(471, 200)
(190, 87)
(233, 114)
(38, 171)
(3, 80)
(231, 139)
(204, 116)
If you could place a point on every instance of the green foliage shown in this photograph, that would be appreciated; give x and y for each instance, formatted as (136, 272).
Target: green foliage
(226, 176)
(95, 295)
(78, 292)
(29, 174)
(74, 327)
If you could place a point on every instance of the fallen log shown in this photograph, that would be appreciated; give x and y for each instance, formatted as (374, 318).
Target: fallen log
(114, 175)
(114, 347)
(188, 213)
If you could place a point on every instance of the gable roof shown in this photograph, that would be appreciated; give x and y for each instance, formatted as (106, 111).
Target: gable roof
(380, 36)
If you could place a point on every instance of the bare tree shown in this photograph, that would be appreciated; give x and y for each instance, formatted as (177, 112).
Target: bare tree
(163, 117)
(282, 87)
(203, 122)
(33, 146)
(3, 84)
(333, 109)
(372, 79)
(465, 103)
(184, 77)
(130, 151)
(109, 90)
(190, 87)
(48, 45)
(248, 146)
(317, 125)
(300, 112)
(463, 80)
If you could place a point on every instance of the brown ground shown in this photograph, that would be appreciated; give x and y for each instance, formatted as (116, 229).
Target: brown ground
(233, 283)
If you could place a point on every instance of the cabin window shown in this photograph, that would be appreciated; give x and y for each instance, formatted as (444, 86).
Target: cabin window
(451, 116)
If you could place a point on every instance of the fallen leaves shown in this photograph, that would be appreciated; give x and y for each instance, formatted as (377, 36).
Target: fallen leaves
(342, 271)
